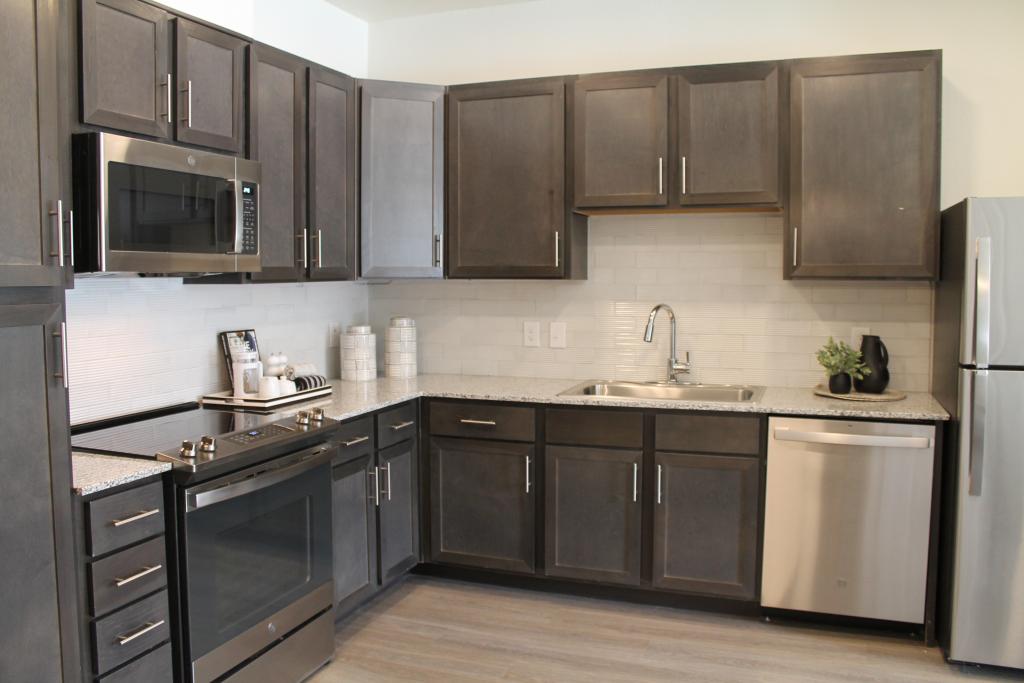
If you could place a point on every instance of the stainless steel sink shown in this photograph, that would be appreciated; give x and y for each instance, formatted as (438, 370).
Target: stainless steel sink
(681, 391)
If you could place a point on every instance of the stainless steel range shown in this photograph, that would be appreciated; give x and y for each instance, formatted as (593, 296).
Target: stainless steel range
(251, 496)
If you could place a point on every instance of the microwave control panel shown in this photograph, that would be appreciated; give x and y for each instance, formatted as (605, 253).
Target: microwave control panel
(250, 219)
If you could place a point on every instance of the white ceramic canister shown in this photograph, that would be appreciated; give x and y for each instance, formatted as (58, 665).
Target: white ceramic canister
(359, 354)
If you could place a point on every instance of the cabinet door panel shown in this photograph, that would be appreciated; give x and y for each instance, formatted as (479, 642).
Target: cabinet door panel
(402, 179)
(506, 189)
(277, 129)
(38, 592)
(621, 140)
(331, 158)
(593, 514)
(355, 533)
(210, 69)
(706, 524)
(863, 167)
(729, 134)
(29, 176)
(126, 70)
(399, 519)
(482, 504)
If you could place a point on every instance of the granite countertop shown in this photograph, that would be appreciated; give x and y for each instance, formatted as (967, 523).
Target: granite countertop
(352, 399)
(92, 473)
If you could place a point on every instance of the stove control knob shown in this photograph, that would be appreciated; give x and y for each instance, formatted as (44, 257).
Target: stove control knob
(302, 417)
(207, 444)
(318, 415)
(187, 450)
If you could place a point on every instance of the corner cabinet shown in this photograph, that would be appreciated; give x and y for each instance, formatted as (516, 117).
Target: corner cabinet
(402, 180)
(864, 167)
(507, 210)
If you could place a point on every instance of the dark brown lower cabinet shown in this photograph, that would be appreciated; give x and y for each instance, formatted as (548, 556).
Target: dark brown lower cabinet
(593, 514)
(355, 532)
(482, 504)
(398, 518)
(706, 523)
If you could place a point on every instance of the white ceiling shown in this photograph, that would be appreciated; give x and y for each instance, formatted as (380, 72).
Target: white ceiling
(382, 10)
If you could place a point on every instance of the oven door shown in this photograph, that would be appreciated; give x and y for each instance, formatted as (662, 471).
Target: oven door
(258, 559)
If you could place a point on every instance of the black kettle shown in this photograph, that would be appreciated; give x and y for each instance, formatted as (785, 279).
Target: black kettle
(876, 357)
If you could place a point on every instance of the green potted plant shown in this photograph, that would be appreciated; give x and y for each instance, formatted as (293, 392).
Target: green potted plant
(843, 365)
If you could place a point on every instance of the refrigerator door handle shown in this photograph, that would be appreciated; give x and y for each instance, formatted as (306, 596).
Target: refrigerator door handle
(979, 399)
(982, 301)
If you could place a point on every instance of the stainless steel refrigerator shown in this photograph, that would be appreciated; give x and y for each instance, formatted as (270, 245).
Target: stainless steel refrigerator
(978, 370)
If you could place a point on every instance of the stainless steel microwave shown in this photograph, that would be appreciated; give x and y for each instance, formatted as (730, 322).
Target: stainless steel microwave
(146, 207)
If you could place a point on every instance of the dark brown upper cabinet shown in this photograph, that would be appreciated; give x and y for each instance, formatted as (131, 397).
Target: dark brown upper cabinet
(506, 181)
(621, 140)
(331, 158)
(210, 71)
(401, 180)
(127, 80)
(277, 139)
(728, 134)
(34, 247)
(864, 167)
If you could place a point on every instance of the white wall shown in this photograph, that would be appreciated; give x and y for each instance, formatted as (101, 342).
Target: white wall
(982, 139)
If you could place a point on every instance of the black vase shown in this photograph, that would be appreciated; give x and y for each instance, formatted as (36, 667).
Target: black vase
(876, 357)
(839, 384)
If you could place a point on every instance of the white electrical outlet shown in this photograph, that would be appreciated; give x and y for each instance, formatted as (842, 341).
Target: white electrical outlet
(557, 333)
(855, 335)
(333, 335)
(531, 333)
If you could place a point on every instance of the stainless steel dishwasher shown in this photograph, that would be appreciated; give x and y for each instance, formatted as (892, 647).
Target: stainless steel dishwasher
(847, 518)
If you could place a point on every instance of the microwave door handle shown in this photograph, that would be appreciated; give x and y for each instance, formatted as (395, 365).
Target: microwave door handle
(236, 214)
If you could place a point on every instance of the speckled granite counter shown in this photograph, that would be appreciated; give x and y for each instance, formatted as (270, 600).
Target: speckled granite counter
(91, 473)
(352, 399)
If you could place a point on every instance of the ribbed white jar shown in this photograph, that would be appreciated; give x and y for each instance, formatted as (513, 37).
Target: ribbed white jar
(400, 348)
(359, 354)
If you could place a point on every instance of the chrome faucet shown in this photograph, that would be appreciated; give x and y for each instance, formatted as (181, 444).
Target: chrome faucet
(675, 368)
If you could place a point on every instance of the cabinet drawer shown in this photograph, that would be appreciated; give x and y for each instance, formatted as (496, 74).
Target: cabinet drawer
(116, 521)
(736, 434)
(615, 428)
(396, 425)
(154, 667)
(117, 580)
(354, 439)
(482, 421)
(130, 632)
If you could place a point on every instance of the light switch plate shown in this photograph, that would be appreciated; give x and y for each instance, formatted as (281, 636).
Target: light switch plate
(855, 335)
(531, 333)
(557, 333)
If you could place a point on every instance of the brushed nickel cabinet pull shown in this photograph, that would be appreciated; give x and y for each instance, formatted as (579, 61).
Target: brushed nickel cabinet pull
(661, 167)
(437, 250)
(658, 486)
(636, 469)
(402, 425)
(558, 250)
(63, 374)
(796, 232)
(188, 104)
(527, 474)
(58, 212)
(170, 96)
(376, 485)
(136, 517)
(482, 423)
(387, 469)
(353, 442)
(71, 235)
(146, 628)
(682, 172)
(319, 248)
(146, 571)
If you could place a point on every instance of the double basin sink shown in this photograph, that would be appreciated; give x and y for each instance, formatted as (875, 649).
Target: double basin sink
(673, 391)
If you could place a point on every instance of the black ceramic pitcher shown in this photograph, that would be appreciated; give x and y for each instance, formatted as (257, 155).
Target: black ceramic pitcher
(876, 357)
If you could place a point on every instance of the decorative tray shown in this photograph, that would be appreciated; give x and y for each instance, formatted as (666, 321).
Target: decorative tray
(884, 397)
(227, 398)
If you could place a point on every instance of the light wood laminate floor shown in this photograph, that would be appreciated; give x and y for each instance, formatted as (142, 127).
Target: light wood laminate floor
(429, 629)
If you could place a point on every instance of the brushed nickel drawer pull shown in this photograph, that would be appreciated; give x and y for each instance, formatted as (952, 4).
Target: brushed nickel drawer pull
(145, 572)
(353, 442)
(402, 425)
(135, 518)
(146, 628)
(482, 423)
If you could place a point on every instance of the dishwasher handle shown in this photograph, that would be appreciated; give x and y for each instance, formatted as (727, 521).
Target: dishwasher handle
(842, 439)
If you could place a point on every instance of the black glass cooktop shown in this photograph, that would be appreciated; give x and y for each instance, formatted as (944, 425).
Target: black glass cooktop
(146, 438)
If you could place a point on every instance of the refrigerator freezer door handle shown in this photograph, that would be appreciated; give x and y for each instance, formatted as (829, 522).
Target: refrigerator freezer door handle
(979, 391)
(983, 301)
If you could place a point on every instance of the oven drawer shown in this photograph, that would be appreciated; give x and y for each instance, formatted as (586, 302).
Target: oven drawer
(396, 425)
(116, 521)
(130, 632)
(353, 439)
(119, 579)
(152, 668)
(481, 421)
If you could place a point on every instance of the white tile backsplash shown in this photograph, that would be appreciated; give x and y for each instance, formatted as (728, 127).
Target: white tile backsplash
(141, 343)
(721, 273)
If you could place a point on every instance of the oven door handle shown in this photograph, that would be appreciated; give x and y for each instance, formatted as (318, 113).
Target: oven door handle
(202, 497)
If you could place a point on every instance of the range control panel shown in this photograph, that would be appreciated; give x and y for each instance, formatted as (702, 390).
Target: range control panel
(255, 435)
(250, 219)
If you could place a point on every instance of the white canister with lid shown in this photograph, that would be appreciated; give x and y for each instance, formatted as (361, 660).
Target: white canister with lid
(359, 354)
